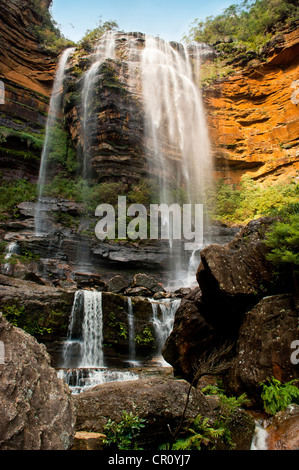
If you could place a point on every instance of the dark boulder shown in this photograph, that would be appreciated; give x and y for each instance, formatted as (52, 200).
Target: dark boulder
(37, 411)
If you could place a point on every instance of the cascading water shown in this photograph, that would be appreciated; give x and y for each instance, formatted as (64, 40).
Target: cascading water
(54, 111)
(163, 319)
(12, 249)
(259, 441)
(132, 346)
(176, 135)
(85, 336)
(83, 364)
(105, 49)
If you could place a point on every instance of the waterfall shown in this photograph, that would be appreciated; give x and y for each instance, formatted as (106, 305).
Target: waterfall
(260, 437)
(12, 249)
(176, 134)
(85, 336)
(176, 130)
(54, 110)
(92, 330)
(132, 346)
(105, 49)
(163, 319)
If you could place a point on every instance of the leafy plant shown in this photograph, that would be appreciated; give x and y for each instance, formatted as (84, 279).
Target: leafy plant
(277, 396)
(283, 240)
(202, 435)
(122, 435)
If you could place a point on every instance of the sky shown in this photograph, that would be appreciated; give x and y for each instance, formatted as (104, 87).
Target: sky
(169, 19)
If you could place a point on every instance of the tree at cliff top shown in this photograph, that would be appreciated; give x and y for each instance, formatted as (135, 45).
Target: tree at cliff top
(251, 23)
(48, 33)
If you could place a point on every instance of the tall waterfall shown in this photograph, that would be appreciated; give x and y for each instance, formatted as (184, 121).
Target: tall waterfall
(176, 130)
(105, 49)
(176, 135)
(54, 111)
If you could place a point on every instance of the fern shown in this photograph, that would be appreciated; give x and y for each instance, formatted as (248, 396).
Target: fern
(277, 396)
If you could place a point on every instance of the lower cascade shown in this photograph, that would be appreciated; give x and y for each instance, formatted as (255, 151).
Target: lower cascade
(83, 364)
(259, 441)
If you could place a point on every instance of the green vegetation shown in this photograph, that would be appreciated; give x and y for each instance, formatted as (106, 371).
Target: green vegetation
(13, 193)
(48, 33)
(203, 433)
(277, 396)
(32, 321)
(234, 204)
(122, 435)
(93, 35)
(145, 338)
(250, 24)
(283, 240)
(33, 141)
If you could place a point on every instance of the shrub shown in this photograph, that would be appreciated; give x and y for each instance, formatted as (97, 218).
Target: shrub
(122, 435)
(277, 396)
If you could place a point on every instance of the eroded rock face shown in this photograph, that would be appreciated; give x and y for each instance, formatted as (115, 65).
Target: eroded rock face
(27, 72)
(253, 115)
(37, 411)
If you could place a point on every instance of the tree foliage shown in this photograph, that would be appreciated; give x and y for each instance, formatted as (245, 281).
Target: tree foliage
(249, 22)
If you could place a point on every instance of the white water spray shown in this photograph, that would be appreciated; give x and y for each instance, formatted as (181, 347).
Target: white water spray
(54, 110)
(163, 319)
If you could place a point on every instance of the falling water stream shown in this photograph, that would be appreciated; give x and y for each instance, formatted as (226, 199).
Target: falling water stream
(54, 111)
(164, 77)
(83, 361)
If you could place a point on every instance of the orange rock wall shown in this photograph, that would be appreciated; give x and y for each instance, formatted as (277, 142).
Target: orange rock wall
(254, 116)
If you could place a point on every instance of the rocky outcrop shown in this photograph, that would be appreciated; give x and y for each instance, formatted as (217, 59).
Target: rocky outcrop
(253, 114)
(37, 411)
(160, 402)
(264, 345)
(27, 72)
(283, 430)
(230, 308)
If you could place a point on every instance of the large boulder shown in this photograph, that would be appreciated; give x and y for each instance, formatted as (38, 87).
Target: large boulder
(283, 431)
(264, 345)
(233, 279)
(160, 401)
(235, 276)
(37, 410)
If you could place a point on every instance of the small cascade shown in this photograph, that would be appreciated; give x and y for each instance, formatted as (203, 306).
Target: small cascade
(80, 380)
(163, 319)
(85, 337)
(260, 437)
(83, 365)
(54, 111)
(132, 346)
(12, 249)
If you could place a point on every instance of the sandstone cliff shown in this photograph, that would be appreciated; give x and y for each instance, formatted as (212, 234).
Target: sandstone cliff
(27, 71)
(253, 114)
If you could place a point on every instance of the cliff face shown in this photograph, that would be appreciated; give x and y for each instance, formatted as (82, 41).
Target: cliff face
(254, 117)
(27, 72)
